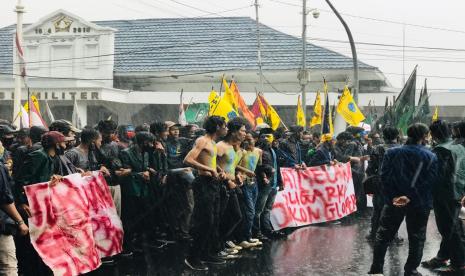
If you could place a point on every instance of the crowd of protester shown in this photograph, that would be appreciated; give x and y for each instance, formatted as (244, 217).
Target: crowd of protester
(213, 187)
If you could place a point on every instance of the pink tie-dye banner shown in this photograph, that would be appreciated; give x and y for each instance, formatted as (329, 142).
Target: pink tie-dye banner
(74, 223)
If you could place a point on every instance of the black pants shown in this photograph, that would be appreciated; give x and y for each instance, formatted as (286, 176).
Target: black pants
(391, 219)
(232, 216)
(179, 200)
(205, 217)
(378, 203)
(451, 229)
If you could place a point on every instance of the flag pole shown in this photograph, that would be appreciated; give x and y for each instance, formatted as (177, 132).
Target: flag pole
(29, 102)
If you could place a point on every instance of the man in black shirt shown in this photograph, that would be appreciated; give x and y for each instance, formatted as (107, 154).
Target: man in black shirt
(180, 196)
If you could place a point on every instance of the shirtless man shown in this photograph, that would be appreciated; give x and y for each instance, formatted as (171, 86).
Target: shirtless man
(229, 157)
(206, 195)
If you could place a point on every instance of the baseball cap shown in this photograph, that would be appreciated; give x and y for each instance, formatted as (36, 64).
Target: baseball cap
(170, 124)
(6, 130)
(53, 137)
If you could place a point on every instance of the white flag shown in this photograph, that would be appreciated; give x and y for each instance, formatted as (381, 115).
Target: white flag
(24, 118)
(35, 117)
(182, 115)
(49, 112)
(76, 119)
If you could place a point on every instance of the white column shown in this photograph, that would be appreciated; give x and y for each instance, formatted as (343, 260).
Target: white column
(82, 109)
(16, 68)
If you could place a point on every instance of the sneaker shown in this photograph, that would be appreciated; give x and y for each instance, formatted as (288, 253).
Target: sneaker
(231, 257)
(108, 261)
(434, 263)
(126, 254)
(195, 265)
(255, 242)
(246, 244)
(232, 245)
(213, 260)
(451, 270)
(231, 251)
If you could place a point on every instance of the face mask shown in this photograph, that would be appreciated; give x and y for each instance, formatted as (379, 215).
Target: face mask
(7, 142)
(270, 138)
(59, 150)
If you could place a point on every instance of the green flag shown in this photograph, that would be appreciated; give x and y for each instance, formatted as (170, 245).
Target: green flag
(404, 106)
(423, 110)
(197, 112)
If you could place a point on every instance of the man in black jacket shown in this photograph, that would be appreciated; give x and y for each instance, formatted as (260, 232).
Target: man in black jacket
(11, 223)
(373, 171)
(407, 173)
(267, 187)
(448, 190)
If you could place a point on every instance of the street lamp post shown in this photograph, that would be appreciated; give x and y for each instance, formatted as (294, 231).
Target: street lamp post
(352, 47)
(303, 75)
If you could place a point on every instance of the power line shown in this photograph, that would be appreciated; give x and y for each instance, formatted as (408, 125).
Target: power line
(379, 20)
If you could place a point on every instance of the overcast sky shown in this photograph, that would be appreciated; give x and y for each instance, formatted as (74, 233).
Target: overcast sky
(442, 21)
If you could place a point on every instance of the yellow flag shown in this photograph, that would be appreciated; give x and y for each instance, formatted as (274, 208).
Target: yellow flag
(436, 114)
(272, 116)
(300, 116)
(317, 111)
(349, 109)
(220, 107)
(34, 101)
(229, 97)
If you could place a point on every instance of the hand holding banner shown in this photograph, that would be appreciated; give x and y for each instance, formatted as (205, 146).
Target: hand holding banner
(314, 195)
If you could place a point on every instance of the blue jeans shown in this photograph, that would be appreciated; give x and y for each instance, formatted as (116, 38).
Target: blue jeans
(250, 193)
(265, 201)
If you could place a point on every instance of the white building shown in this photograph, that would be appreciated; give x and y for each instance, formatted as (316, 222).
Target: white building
(134, 70)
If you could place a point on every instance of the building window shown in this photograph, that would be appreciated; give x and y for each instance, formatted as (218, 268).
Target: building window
(49, 30)
(91, 51)
(74, 30)
(88, 29)
(40, 31)
(79, 30)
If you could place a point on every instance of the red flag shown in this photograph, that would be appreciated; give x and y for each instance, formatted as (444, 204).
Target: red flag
(243, 109)
(20, 53)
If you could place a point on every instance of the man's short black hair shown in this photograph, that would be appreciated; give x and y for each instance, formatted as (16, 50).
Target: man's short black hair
(345, 136)
(235, 124)
(390, 133)
(88, 135)
(36, 133)
(143, 136)
(158, 127)
(143, 127)
(60, 126)
(107, 126)
(212, 124)
(440, 130)
(416, 132)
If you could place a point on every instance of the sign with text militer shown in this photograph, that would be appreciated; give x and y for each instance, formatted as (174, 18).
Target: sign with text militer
(55, 94)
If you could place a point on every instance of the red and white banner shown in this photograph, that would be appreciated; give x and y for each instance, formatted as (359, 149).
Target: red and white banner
(314, 195)
(74, 223)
